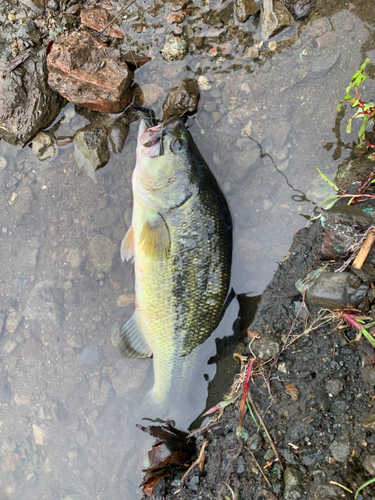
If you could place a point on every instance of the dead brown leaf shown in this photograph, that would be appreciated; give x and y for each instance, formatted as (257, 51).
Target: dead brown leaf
(292, 391)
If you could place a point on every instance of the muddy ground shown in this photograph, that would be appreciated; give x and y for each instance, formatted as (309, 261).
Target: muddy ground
(324, 436)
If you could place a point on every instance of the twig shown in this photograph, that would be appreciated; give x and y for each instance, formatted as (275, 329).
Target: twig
(366, 247)
(116, 16)
(341, 486)
(198, 461)
(259, 467)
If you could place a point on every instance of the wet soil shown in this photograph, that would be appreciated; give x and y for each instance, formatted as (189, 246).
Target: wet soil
(323, 434)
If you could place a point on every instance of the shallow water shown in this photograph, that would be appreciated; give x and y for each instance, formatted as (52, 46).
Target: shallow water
(67, 430)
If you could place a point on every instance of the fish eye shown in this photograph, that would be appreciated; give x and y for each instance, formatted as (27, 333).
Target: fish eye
(177, 146)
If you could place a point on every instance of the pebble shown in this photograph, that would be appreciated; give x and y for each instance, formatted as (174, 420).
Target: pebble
(266, 347)
(43, 146)
(334, 387)
(340, 450)
(13, 321)
(175, 49)
(74, 257)
(3, 163)
(272, 46)
(64, 141)
(102, 252)
(369, 464)
(125, 300)
(130, 373)
(204, 83)
(39, 435)
(81, 437)
(24, 201)
(9, 346)
(90, 355)
(293, 480)
(250, 52)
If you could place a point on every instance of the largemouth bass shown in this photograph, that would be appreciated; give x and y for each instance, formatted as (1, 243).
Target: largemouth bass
(181, 242)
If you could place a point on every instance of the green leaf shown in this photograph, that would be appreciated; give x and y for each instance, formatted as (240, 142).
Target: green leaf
(368, 336)
(330, 205)
(348, 128)
(363, 486)
(332, 184)
(362, 130)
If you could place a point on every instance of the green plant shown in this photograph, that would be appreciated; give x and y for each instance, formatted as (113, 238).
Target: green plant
(365, 110)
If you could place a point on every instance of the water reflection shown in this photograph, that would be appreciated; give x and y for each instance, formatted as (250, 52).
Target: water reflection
(67, 429)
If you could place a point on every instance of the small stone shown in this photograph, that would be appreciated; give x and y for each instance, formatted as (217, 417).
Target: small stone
(301, 8)
(117, 134)
(81, 437)
(340, 450)
(72, 341)
(181, 100)
(366, 273)
(102, 252)
(246, 131)
(9, 346)
(175, 18)
(130, 374)
(193, 483)
(255, 442)
(174, 49)
(204, 83)
(22, 399)
(179, 4)
(266, 347)
(43, 146)
(39, 435)
(370, 423)
(90, 355)
(368, 375)
(250, 52)
(246, 8)
(92, 142)
(24, 201)
(272, 46)
(125, 300)
(64, 141)
(293, 480)
(74, 257)
(95, 383)
(13, 321)
(11, 17)
(46, 301)
(334, 387)
(369, 464)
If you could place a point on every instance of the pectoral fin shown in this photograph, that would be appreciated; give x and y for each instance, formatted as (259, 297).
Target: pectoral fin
(127, 245)
(132, 343)
(155, 238)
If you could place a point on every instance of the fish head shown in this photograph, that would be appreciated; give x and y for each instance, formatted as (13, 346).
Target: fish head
(164, 166)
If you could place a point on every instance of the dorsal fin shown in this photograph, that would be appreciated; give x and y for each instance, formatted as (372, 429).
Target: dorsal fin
(127, 245)
(132, 343)
(155, 238)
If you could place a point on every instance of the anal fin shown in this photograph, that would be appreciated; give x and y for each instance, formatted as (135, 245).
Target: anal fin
(132, 343)
(127, 245)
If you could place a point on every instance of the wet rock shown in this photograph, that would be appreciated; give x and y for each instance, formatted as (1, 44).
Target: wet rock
(369, 464)
(175, 49)
(275, 18)
(13, 321)
(27, 102)
(130, 373)
(117, 135)
(32, 348)
(358, 169)
(37, 6)
(89, 73)
(92, 143)
(301, 8)
(245, 9)
(102, 251)
(334, 386)
(366, 273)
(40, 435)
(266, 347)
(226, 13)
(280, 133)
(97, 18)
(369, 424)
(321, 68)
(182, 100)
(64, 141)
(148, 94)
(193, 483)
(46, 301)
(368, 375)
(326, 40)
(332, 291)
(177, 5)
(81, 437)
(90, 355)
(340, 450)
(293, 480)
(5, 391)
(125, 299)
(24, 201)
(176, 17)
(43, 146)
(29, 31)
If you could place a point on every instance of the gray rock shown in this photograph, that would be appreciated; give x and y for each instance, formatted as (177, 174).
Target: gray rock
(293, 480)
(44, 146)
(182, 100)
(366, 273)
(36, 6)
(340, 450)
(27, 102)
(46, 301)
(24, 201)
(28, 254)
(321, 68)
(369, 424)
(175, 49)
(117, 134)
(245, 9)
(266, 347)
(332, 291)
(92, 143)
(301, 8)
(90, 355)
(280, 133)
(81, 437)
(275, 18)
(193, 483)
(13, 321)
(255, 442)
(29, 31)
(130, 374)
(102, 251)
(334, 386)
(368, 375)
(369, 464)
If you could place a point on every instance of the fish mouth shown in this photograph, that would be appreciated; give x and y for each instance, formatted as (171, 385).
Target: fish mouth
(152, 140)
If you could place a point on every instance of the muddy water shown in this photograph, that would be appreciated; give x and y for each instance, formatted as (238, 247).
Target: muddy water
(67, 401)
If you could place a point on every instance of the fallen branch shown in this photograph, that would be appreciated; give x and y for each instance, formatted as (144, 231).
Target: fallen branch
(363, 252)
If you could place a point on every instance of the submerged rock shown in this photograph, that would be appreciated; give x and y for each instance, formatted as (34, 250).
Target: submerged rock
(321, 68)
(182, 100)
(90, 355)
(245, 9)
(46, 301)
(175, 49)
(89, 73)
(275, 18)
(27, 102)
(102, 251)
(92, 142)
(117, 134)
(44, 146)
